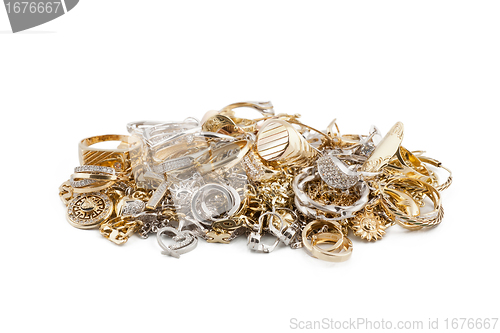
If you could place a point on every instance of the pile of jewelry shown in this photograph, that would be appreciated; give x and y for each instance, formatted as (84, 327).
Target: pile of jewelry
(273, 176)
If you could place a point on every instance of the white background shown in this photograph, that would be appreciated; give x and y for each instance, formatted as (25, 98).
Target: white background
(434, 65)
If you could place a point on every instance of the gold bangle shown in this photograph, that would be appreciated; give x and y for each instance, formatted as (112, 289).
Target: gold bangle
(122, 158)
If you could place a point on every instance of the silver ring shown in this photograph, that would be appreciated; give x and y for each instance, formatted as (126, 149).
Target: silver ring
(307, 205)
(335, 173)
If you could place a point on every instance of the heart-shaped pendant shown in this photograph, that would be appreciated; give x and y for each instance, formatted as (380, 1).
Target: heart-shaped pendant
(185, 241)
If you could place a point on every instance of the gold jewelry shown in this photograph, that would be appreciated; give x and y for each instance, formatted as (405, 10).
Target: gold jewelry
(436, 163)
(278, 141)
(264, 108)
(206, 160)
(385, 150)
(87, 211)
(412, 187)
(320, 232)
(119, 229)
(94, 187)
(221, 158)
(227, 176)
(218, 237)
(120, 158)
(65, 192)
(76, 176)
(225, 121)
(255, 168)
(228, 125)
(367, 225)
(127, 206)
(179, 150)
(404, 162)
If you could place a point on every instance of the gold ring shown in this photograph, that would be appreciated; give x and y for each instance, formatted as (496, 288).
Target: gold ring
(279, 142)
(122, 158)
(320, 232)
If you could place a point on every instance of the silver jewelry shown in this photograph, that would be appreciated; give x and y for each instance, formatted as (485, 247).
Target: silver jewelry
(205, 216)
(182, 190)
(185, 241)
(254, 242)
(335, 173)
(128, 206)
(307, 206)
(285, 233)
(156, 133)
(94, 168)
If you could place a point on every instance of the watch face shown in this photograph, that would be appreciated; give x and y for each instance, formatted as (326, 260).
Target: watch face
(88, 210)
